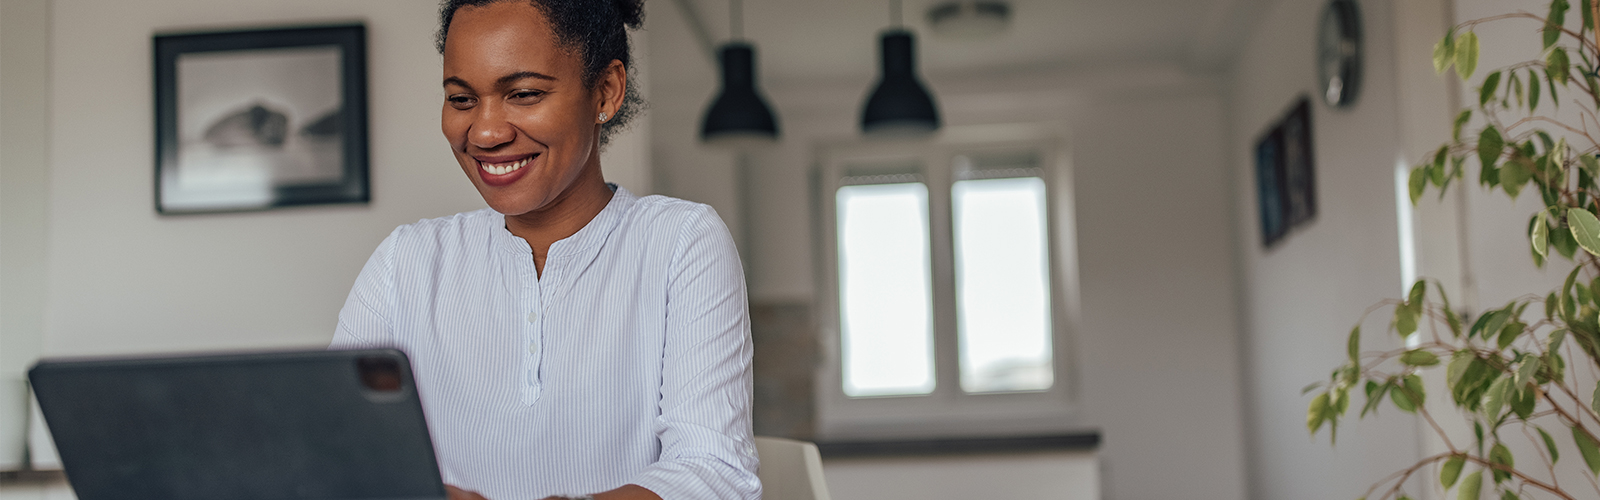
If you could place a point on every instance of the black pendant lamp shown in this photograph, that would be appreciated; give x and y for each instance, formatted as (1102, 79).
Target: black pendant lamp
(900, 104)
(739, 116)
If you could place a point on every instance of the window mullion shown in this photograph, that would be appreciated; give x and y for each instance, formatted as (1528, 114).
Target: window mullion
(947, 348)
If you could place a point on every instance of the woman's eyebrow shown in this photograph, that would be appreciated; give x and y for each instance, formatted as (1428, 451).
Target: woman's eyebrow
(523, 74)
(502, 81)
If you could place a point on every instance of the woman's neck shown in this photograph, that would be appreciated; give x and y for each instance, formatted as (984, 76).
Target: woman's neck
(566, 216)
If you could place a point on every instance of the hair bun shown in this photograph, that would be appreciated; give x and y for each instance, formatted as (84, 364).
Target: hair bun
(631, 12)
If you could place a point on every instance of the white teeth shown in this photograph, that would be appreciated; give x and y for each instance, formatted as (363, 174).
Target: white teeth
(504, 169)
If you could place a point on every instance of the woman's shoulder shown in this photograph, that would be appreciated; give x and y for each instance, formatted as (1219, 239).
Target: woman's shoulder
(450, 230)
(673, 216)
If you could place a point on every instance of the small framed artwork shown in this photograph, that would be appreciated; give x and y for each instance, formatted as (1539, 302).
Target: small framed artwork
(253, 120)
(1285, 180)
(1269, 179)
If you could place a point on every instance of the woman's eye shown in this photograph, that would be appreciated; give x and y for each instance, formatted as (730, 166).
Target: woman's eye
(460, 101)
(526, 95)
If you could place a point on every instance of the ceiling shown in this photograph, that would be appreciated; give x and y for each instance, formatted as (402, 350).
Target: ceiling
(828, 39)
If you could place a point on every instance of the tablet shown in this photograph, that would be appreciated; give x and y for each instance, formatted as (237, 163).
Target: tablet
(330, 425)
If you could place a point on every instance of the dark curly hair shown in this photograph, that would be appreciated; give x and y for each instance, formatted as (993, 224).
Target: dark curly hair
(596, 29)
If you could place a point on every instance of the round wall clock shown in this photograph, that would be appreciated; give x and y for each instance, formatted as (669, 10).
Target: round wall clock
(1339, 53)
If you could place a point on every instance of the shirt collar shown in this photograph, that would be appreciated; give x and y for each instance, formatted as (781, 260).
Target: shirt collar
(586, 241)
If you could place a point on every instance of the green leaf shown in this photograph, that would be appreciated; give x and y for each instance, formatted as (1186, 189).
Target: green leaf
(1413, 385)
(1555, 97)
(1509, 333)
(1490, 146)
(1459, 361)
(1588, 15)
(1419, 357)
(1470, 486)
(1494, 399)
(1444, 52)
(1565, 245)
(1496, 322)
(1500, 455)
(1453, 320)
(1533, 92)
(1417, 183)
(1526, 372)
(1552, 26)
(1509, 495)
(1523, 399)
(1466, 54)
(1402, 400)
(1419, 292)
(1375, 393)
(1317, 413)
(1588, 448)
(1549, 444)
(1515, 175)
(1516, 88)
(1310, 387)
(1557, 66)
(1540, 236)
(1405, 320)
(1585, 229)
(1590, 165)
(1353, 345)
(1486, 91)
(1594, 402)
(1451, 470)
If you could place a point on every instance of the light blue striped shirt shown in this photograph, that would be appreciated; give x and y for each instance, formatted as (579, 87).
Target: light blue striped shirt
(628, 361)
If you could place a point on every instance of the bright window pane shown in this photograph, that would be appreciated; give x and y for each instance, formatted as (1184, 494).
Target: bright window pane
(884, 289)
(1002, 284)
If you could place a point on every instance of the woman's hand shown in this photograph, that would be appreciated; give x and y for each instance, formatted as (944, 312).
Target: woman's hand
(454, 493)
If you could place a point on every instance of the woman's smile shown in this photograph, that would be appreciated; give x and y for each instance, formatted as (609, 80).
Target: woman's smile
(503, 170)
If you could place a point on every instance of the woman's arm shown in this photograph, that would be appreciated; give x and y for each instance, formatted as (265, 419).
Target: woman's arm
(707, 450)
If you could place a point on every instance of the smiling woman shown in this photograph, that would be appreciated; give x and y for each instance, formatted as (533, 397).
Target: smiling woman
(571, 338)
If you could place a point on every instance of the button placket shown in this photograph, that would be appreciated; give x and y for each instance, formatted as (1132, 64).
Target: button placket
(531, 336)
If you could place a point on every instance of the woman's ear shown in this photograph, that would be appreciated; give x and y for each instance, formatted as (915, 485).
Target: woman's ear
(613, 86)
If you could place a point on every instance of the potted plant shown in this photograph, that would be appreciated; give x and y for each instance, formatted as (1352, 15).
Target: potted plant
(1511, 370)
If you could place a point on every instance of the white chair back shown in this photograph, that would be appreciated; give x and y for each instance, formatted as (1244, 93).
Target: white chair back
(790, 470)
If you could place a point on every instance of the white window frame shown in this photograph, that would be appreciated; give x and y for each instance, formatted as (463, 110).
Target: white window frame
(947, 411)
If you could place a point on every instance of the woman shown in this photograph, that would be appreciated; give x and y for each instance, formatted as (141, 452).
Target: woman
(571, 339)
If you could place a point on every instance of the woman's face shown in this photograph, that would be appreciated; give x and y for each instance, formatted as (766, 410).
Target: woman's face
(517, 114)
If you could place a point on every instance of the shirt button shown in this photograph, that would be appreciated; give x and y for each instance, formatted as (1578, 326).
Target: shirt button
(533, 317)
(533, 349)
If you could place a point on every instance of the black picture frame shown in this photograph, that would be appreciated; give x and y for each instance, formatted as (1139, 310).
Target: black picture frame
(243, 119)
(1286, 190)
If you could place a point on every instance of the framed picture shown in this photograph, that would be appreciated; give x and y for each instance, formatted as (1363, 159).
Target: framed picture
(1269, 183)
(1285, 180)
(252, 120)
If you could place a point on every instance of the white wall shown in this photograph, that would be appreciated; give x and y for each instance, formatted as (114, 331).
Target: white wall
(1301, 297)
(1157, 353)
(24, 91)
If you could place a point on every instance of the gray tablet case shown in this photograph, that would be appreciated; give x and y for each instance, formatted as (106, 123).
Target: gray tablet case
(330, 425)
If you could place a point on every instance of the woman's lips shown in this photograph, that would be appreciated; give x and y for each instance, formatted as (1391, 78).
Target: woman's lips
(500, 171)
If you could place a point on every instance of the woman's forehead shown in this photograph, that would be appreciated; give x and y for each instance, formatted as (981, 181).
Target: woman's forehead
(502, 38)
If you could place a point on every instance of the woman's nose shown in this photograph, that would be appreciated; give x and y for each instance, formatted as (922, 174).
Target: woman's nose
(490, 129)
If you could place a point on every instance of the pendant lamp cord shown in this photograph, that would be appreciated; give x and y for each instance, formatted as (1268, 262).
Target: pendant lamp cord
(736, 18)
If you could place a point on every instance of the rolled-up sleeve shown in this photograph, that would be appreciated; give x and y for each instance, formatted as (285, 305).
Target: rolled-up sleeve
(707, 449)
(365, 321)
